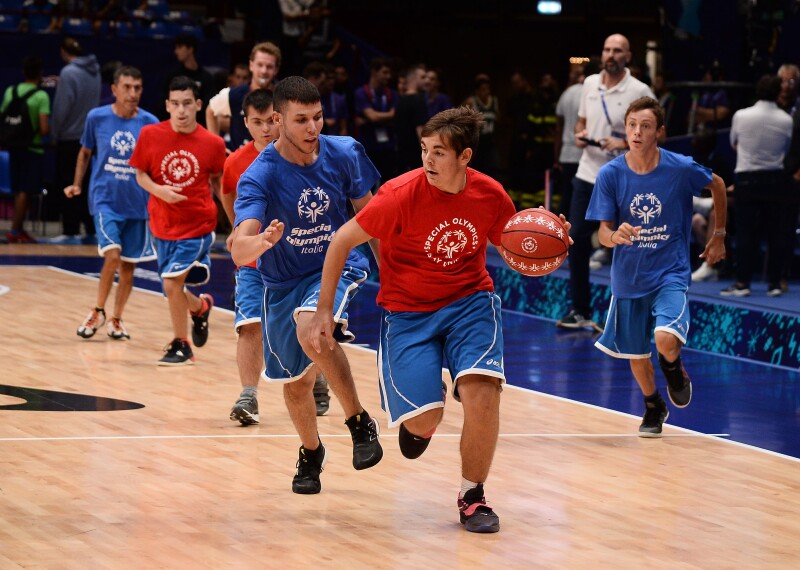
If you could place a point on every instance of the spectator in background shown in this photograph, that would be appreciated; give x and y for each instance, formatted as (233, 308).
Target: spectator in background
(265, 61)
(188, 66)
(520, 105)
(77, 93)
(704, 143)
(601, 119)
(567, 154)
(761, 136)
(435, 99)
(374, 119)
(410, 116)
(296, 14)
(40, 16)
(334, 108)
(319, 41)
(710, 106)
(485, 159)
(791, 210)
(26, 163)
(239, 76)
(107, 72)
(666, 99)
(788, 99)
(542, 119)
(342, 86)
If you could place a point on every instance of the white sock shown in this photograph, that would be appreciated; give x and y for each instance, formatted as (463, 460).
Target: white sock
(466, 485)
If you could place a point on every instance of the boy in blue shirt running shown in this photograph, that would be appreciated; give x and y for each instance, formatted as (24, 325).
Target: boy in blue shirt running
(643, 200)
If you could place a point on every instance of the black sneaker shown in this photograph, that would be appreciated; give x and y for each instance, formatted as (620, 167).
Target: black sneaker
(364, 430)
(245, 410)
(178, 352)
(655, 414)
(200, 322)
(412, 446)
(309, 466)
(321, 396)
(574, 320)
(475, 514)
(679, 385)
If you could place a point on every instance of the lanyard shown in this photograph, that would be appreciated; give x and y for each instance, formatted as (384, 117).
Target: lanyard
(605, 108)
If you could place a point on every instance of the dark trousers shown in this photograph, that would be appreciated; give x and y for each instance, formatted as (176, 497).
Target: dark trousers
(74, 211)
(581, 250)
(568, 170)
(760, 211)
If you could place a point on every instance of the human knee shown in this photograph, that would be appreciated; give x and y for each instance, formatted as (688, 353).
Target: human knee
(478, 389)
(668, 345)
(425, 422)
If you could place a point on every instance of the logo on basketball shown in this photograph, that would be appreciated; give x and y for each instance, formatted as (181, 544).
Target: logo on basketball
(123, 142)
(313, 203)
(529, 245)
(180, 168)
(645, 207)
(449, 240)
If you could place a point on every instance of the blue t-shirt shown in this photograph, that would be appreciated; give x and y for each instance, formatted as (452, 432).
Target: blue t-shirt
(659, 201)
(310, 200)
(113, 186)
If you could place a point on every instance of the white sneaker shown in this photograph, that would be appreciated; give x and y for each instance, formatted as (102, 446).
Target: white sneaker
(705, 273)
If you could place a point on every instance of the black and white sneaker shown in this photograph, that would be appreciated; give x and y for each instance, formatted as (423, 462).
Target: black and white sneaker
(655, 414)
(736, 290)
(177, 353)
(245, 410)
(364, 430)
(309, 466)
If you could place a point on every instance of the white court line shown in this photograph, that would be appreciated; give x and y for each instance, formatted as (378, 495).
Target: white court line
(281, 436)
(506, 385)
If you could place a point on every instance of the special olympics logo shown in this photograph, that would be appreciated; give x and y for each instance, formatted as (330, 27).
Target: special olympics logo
(646, 207)
(313, 203)
(529, 245)
(123, 142)
(452, 242)
(180, 168)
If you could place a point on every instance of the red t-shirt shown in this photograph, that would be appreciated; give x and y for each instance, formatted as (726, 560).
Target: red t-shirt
(184, 161)
(235, 165)
(433, 244)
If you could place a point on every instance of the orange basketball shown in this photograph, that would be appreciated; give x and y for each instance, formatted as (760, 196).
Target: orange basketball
(535, 242)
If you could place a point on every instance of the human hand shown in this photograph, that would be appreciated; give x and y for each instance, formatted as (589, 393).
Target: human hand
(72, 190)
(171, 194)
(322, 324)
(271, 234)
(625, 234)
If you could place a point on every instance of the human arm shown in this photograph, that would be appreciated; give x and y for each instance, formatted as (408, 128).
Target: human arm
(624, 234)
(81, 164)
(374, 244)
(558, 141)
(715, 246)
(170, 194)
(215, 182)
(249, 244)
(345, 239)
(374, 116)
(44, 124)
(212, 125)
(581, 132)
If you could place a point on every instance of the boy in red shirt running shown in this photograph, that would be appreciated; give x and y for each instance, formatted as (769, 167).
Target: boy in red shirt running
(179, 163)
(433, 224)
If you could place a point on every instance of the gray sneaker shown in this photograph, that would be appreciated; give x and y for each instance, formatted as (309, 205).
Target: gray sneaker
(321, 395)
(245, 410)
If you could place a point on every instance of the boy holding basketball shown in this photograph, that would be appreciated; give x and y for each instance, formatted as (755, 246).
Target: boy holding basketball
(438, 299)
(643, 200)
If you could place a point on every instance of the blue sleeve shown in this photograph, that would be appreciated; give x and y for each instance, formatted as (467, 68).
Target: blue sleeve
(603, 205)
(363, 174)
(699, 177)
(87, 138)
(251, 201)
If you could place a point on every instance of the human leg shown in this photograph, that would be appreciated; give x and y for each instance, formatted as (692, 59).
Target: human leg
(300, 404)
(579, 255)
(250, 363)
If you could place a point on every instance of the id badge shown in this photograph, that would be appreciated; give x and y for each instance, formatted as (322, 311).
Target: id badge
(382, 136)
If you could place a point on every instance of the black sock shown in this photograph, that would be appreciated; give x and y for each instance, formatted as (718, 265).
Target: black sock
(654, 397)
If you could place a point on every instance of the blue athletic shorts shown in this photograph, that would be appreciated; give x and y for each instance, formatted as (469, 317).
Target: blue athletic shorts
(630, 322)
(131, 237)
(249, 297)
(190, 256)
(467, 333)
(284, 358)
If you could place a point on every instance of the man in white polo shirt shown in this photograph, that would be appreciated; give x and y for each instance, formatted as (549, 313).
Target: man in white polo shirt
(600, 132)
(761, 135)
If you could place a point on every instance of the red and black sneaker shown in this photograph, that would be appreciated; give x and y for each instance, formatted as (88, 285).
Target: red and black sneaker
(200, 320)
(476, 515)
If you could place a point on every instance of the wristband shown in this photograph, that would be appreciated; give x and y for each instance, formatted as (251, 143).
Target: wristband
(719, 233)
(611, 238)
